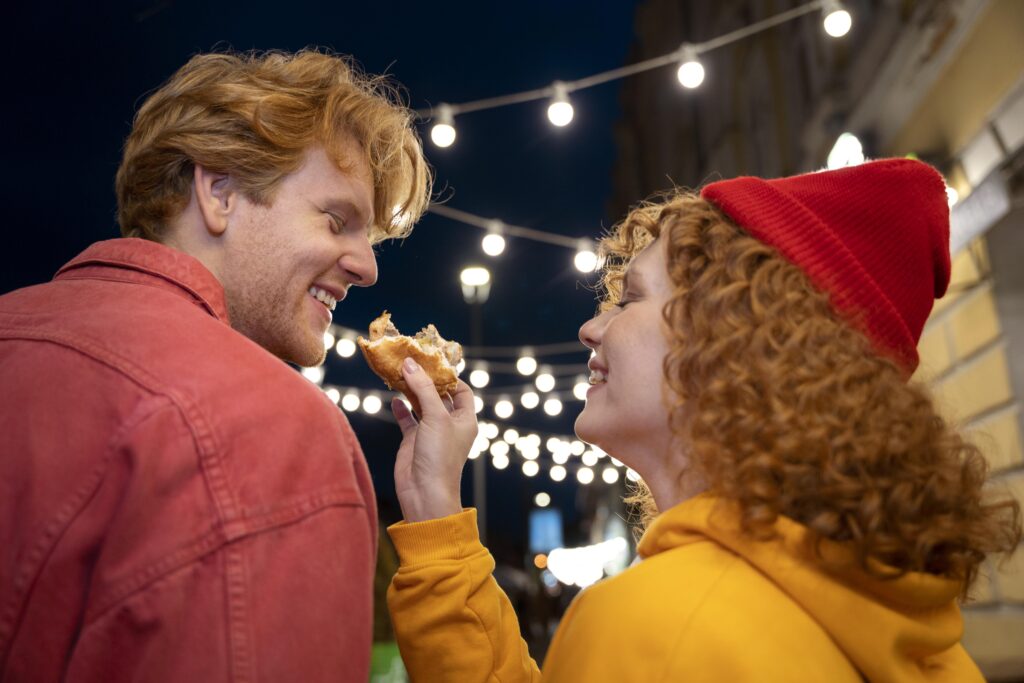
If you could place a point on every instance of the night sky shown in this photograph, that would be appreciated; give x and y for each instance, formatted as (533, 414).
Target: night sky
(76, 73)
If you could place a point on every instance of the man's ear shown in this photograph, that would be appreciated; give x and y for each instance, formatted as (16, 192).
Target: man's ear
(216, 198)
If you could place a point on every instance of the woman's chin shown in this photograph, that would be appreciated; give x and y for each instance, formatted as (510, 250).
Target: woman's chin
(588, 430)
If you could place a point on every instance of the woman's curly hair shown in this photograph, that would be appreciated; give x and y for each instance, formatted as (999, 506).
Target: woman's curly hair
(788, 410)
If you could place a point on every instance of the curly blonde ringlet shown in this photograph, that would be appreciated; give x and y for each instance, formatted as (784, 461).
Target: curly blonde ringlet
(786, 409)
(254, 115)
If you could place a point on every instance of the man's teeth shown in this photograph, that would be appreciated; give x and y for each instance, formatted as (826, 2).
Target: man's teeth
(597, 377)
(323, 297)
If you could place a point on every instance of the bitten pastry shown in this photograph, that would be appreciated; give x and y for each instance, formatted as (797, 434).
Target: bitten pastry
(387, 348)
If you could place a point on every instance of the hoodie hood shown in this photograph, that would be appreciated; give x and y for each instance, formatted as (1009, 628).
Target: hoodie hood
(901, 629)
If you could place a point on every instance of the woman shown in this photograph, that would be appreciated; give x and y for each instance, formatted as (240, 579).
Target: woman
(818, 520)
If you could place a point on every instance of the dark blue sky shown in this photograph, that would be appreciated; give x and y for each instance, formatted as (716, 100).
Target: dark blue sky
(77, 71)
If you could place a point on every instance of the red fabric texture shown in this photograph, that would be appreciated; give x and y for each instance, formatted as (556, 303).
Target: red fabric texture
(176, 504)
(874, 236)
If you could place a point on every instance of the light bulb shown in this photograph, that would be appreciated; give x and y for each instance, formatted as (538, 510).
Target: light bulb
(552, 406)
(545, 381)
(478, 404)
(345, 347)
(837, 20)
(585, 261)
(499, 448)
(531, 468)
(350, 402)
(460, 367)
(610, 475)
(479, 378)
(580, 389)
(314, 374)
(557, 473)
(526, 365)
(500, 462)
(584, 475)
(475, 276)
(510, 436)
(333, 394)
(589, 458)
(542, 500)
(560, 110)
(691, 71)
(443, 132)
(372, 404)
(328, 339)
(489, 430)
(530, 400)
(503, 408)
(493, 244)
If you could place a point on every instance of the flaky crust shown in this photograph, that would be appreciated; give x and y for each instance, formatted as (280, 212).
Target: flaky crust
(385, 354)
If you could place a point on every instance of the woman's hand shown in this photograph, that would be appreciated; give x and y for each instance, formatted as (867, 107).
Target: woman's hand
(428, 469)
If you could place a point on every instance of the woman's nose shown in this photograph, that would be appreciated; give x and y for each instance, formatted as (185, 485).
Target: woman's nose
(590, 332)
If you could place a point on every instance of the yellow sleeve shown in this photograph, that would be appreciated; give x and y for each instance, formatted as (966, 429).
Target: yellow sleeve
(451, 620)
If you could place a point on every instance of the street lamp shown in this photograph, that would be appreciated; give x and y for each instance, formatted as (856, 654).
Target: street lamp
(476, 287)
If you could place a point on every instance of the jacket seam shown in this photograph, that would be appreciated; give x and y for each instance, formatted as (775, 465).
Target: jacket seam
(43, 548)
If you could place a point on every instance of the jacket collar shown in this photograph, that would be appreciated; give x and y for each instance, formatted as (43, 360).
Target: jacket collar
(132, 260)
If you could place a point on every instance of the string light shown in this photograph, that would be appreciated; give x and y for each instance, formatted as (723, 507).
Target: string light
(499, 448)
(493, 243)
(610, 475)
(560, 457)
(531, 468)
(552, 406)
(350, 401)
(691, 71)
(545, 381)
(510, 436)
(837, 21)
(580, 388)
(328, 339)
(557, 473)
(542, 500)
(560, 110)
(479, 378)
(314, 374)
(589, 458)
(478, 404)
(372, 404)
(584, 475)
(345, 347)
(585, 259)
(500, 462)
(333, 394)
(503, 408)
(527, 364)
(530, 400)
(443, 132)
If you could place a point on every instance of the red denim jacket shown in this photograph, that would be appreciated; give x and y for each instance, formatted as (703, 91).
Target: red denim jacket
(176, 504)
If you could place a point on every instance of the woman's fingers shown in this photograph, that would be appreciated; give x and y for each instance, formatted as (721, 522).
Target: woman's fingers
(422, 386)
(406, 421)
(462, 399)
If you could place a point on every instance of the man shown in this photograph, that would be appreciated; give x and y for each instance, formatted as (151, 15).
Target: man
(176, 503)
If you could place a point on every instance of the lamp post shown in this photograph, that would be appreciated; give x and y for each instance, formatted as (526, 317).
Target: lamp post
(476, 286)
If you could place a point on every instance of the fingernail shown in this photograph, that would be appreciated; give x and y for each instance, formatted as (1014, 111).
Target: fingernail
(410, 365)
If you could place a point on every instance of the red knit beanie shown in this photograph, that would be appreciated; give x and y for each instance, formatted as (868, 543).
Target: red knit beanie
(874, 236)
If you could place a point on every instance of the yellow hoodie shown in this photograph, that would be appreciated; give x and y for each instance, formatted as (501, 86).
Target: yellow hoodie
(707, 603)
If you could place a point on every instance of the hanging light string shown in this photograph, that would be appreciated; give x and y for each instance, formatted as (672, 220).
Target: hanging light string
(836, 21)
(504, 443)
